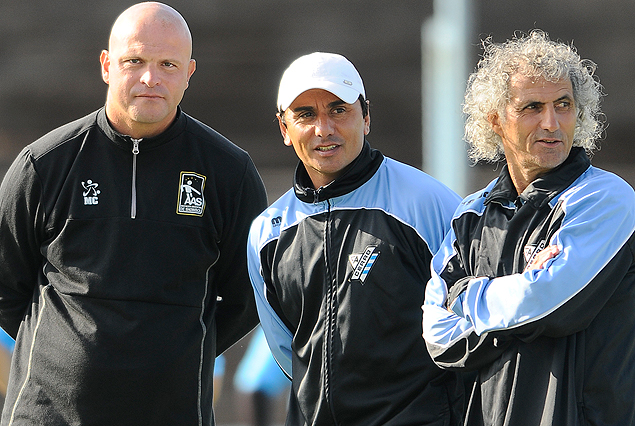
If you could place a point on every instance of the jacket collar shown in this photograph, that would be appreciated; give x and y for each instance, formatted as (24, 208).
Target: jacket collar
(544, 188)
(356, 174)
(125, 141)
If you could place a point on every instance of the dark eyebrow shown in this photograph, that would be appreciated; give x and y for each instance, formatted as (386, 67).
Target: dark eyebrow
(336, 103)
(535, 103)
(302, 109)
(563, 98)
(331, 105)
(309, 108)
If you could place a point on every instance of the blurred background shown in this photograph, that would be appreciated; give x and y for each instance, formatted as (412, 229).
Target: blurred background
(414, 57)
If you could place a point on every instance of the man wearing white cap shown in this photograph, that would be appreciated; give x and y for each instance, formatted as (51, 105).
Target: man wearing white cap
(339, 263)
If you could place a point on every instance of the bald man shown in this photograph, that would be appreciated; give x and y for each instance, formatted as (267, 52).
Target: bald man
(123, 247)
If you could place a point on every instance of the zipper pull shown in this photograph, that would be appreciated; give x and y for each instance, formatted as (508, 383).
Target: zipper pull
(135, 145)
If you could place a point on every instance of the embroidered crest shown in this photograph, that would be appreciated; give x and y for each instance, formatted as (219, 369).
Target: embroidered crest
(191, 199)
(362, 263)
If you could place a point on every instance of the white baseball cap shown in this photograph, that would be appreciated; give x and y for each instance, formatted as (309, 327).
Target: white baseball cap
(328, 71)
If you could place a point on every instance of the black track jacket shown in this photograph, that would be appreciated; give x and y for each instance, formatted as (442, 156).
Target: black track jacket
(112, 257)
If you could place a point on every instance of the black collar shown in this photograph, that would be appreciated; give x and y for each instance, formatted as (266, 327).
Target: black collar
(125, 141)
(543, 189)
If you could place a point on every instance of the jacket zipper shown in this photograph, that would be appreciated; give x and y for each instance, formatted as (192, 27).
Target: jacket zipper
(331, 313)
(331, 306)
(135, 151)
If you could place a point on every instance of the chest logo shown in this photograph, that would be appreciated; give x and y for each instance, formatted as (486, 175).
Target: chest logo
(531, 251)
(90, 193)
(362, 263)
(191, 198)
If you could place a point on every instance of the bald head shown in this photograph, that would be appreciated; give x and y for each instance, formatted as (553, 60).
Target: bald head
(148, 16)
(147, 67)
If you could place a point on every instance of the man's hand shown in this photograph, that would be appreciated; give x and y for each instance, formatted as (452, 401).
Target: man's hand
(542, 257)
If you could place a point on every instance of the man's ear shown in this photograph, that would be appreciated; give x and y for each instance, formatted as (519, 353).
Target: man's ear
(104, 60)
(494, 121)
(283, 130)
(191, 67)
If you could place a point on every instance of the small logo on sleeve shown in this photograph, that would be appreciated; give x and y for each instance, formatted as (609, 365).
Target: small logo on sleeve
(90, 193)
(362, 263)
(191, 198)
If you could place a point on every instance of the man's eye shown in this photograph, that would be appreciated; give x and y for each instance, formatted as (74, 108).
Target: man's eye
(131, 62)
(168, 64)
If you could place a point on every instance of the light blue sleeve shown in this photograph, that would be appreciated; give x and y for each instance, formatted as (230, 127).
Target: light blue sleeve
(441, 326)
(599, 219)
(278, 336)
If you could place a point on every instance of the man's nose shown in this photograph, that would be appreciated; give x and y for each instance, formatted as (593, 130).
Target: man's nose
(324, 125)
(150, 77)
(549, 119)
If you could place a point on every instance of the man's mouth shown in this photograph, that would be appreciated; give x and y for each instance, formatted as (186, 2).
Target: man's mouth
(148, 95)
(326, 148)
(549, 141)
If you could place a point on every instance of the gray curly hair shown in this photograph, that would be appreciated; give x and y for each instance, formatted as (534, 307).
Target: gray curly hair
(533, 55)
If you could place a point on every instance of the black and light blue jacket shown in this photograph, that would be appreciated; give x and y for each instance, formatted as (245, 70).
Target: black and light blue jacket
(554, 346)
(339, 275)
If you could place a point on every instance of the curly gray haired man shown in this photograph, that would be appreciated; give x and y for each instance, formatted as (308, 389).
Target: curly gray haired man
(534, 285)
(534, 56)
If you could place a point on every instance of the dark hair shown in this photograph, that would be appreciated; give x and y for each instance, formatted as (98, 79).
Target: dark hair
(365, 106)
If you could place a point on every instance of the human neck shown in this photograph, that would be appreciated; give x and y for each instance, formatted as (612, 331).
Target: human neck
(138, 130)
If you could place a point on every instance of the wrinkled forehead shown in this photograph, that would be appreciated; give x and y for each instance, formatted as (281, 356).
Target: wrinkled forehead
(548, 69)
(538, 80)
(530, 78)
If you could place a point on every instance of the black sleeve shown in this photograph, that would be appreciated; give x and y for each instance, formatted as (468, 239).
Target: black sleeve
(21, 230)
(236, 314)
